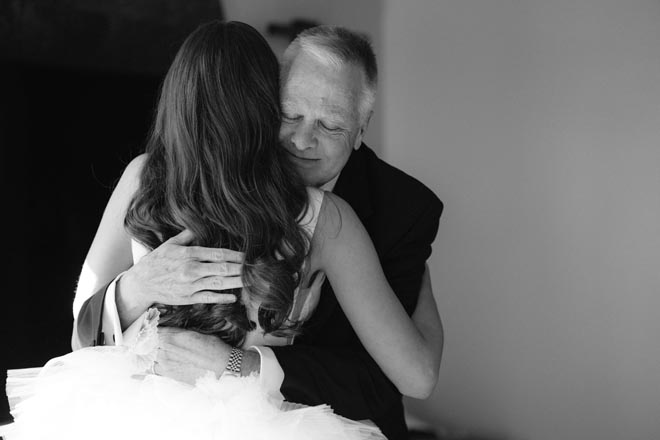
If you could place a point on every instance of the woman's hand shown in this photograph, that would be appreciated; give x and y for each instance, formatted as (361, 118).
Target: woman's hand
(177, 274)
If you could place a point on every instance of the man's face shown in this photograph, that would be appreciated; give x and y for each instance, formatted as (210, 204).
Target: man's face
(320, 120)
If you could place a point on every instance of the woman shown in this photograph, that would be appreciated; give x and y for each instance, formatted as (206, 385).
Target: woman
(213, 167)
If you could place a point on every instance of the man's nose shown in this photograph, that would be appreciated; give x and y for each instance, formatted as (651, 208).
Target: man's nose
(303, 137)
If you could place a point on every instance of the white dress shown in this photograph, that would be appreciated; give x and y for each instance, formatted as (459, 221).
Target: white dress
(109, 393)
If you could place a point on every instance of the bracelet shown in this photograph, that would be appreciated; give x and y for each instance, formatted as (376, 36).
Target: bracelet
(234, 362)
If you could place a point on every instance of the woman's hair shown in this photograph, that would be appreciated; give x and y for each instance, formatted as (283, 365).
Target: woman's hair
(215, 167)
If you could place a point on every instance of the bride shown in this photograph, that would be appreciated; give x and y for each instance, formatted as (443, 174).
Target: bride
(214, 173)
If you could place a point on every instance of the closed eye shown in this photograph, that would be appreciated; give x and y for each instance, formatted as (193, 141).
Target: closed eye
(289, 118)
(330, 127)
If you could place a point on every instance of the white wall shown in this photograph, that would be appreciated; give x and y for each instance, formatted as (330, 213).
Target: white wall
(360, 15)
(538, 124)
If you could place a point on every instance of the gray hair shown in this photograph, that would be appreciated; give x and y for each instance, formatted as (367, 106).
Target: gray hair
(339, 46)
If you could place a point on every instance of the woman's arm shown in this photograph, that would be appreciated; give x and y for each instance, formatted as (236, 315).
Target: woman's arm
(407, 353)
(427, 319)
(110, 252)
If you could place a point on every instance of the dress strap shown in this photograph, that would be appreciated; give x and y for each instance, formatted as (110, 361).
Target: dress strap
(306, 299)
(311, 216)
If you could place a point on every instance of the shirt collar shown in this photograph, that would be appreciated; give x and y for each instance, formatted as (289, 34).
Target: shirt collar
(330, 185)
(353, 184)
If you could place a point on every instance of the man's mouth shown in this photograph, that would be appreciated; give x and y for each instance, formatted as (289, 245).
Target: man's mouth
(306, 159)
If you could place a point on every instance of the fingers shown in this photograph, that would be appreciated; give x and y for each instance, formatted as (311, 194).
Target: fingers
(178, 362)
(170, 365)
(170, 348)
(173, 341)
(218, 283)
(215, 255)
(208, 297)
(221, 269)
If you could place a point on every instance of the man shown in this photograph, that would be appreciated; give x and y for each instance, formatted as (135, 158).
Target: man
(329, 78)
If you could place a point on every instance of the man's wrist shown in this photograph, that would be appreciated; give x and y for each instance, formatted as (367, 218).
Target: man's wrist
(251, 363)
(128, 306)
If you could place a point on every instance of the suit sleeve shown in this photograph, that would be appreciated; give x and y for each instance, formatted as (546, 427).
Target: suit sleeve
(87, 328)
(404, 266)
(346, 377)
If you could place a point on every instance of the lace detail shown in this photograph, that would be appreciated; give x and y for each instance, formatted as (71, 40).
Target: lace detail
(146, 342)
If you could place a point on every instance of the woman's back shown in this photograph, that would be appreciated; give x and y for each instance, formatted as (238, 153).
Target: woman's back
(214, 166)
(305, 297)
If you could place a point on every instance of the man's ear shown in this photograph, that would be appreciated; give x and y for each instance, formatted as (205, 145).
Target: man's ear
(362, 130)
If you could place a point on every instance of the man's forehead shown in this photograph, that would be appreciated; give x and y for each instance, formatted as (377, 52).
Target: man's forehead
(332, 98)
(335, 106)
(334, 102)
(309, 72)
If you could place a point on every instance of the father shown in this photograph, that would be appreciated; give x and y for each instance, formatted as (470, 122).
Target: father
(329, 79)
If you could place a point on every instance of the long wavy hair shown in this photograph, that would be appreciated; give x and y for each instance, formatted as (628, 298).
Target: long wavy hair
(215, 166)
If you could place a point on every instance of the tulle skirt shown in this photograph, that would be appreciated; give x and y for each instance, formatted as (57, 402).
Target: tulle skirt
(107, 393)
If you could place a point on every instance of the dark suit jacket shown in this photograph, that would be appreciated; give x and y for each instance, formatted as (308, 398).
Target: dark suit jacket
(328, 364)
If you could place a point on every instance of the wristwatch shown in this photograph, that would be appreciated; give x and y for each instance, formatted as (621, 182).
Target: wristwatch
(233, 367)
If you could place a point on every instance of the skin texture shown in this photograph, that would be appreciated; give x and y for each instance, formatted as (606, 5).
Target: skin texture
(189, 282)
(321, 124)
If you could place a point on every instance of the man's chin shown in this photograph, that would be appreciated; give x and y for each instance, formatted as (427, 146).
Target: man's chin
(309, 178)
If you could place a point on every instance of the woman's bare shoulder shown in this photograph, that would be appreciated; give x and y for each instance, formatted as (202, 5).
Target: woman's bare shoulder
(336, 212)
(135, 166)
(337, 224)
(127, 186)
(130, 178)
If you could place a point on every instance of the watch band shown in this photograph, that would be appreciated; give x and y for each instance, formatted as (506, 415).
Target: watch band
(234, 362)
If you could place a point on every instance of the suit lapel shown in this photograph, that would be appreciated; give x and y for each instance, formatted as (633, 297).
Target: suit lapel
(353, 185)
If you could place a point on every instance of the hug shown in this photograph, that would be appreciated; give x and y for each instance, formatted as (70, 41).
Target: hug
(257, 259)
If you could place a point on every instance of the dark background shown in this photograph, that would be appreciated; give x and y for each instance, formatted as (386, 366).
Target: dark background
(78, 85)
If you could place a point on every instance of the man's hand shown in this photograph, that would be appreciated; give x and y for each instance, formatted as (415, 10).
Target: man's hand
(186, 355)
(177, 274)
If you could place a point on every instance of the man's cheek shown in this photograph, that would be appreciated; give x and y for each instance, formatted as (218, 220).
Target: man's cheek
(286, 131)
